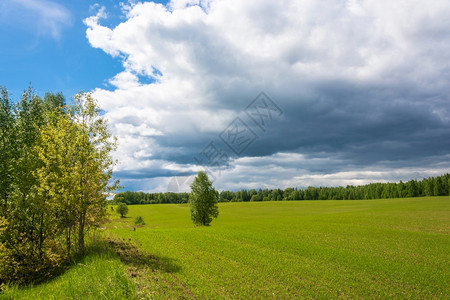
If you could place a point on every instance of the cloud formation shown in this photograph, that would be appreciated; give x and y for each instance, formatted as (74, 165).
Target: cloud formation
(46, 18)
(363, 86)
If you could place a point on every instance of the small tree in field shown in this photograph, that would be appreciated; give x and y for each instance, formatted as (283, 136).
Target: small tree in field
(139, 220)
(203, 200)
(122, 209)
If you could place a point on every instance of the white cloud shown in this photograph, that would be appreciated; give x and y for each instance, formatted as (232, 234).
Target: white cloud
(208, 59)
(49, 17)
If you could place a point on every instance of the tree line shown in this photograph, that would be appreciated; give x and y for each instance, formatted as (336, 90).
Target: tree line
(129, 197)
(433, 186)
(55, 174)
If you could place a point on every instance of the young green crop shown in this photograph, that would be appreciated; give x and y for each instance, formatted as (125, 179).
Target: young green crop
(394, 248)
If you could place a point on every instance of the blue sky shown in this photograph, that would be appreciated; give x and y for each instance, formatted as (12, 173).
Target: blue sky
(355, 91)
(44, 42)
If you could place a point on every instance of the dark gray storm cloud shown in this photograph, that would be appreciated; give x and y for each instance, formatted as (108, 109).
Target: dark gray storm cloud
(363, 89)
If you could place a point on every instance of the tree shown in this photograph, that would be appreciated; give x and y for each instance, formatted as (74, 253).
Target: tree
(94, 164)
(28, 221)
(448, 186)
(58, 176)
(139, 220)
(412, 188)
(76, 167)
(28, 238)
(438, 187)
(203, 200)
(122, 209)
(7, 153)
(55, 176)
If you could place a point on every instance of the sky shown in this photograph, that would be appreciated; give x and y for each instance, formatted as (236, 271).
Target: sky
(258, 93)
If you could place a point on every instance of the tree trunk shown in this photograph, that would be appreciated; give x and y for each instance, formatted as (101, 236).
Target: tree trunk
(68, 242)
(41, 236)
(81, 231)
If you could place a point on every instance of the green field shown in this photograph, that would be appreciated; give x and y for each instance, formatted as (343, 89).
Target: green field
(394, 248)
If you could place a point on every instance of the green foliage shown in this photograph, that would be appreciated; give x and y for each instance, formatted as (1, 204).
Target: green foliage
(412, 188)
(29, 267)
(29, 248)
(139, 220)
(122, 209)
(54, 177)
(434, 186)
(7, 148)
(130, 197)
(203, 200)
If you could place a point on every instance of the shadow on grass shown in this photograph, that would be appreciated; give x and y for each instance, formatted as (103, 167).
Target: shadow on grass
(108, 248)
(142, 265)
(50, 273)
(130, 254)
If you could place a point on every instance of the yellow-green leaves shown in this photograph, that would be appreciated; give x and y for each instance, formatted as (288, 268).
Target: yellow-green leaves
(76, 167)
(54, 178)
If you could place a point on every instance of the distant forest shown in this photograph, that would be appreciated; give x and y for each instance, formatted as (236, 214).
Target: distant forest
(433, 186)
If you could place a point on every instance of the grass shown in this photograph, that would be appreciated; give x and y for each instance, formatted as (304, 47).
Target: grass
(393, 248)
(99, 274)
